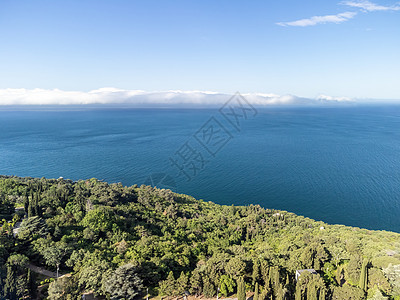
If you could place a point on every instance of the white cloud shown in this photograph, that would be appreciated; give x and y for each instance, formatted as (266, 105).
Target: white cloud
(140, 98)
(338, 18)
(369, 6)
(330, 98)
(363, 5)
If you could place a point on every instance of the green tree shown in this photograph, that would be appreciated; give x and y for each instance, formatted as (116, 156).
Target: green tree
(265, 273)
(208, 287)
(256, 271)
(57, 231)
(10, 287)
(307, 257)
(274, 276)
(101, 218)
(353, 269)
(235, 267)
(168, 286)
(124, 283)
(54, 254)
(182, 283)
(338, 253)
(264, 294)
(6, 207)
(227, 285)
(255, 297)
(347, 292)
(63, 289)
(91, 269)
(377, 278)
(32, 228)
(322, 294)
(56, 290)
(376, 294)
(15, 283)
(241, 289)
(312, 291)
(31, 282)
(364, 275)
(196, 283)
(30, 210)
(298, 294)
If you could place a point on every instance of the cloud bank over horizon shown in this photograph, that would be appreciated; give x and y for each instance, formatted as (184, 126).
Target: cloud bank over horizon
(140, 98)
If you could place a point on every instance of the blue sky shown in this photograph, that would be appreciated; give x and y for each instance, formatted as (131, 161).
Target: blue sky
(304, 48)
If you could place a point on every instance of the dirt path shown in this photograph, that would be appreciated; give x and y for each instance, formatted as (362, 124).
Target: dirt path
(42, 271)
(45, 272)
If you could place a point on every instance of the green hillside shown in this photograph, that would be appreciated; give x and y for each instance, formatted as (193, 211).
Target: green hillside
(116, 241)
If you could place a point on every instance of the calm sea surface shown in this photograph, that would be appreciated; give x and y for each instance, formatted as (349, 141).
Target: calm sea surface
(339, 165)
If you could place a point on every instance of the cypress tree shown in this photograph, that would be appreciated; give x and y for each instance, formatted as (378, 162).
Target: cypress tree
(36, 204)
(31, 279)
(322, 293)
(363, 276)
(256, 271)
(10, 290)
(26, 203)
(311, 291)
(267, 291)
(22, 287)
(339, 272)
(280, 293)
(168, 286)
(274, 276)
(31, 199)
(297, 296)
(265, 274)
(241, 289)
(30, 210)
(255, 297)
(181, 283)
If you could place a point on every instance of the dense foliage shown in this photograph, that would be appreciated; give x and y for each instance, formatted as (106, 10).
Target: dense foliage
(116, 241)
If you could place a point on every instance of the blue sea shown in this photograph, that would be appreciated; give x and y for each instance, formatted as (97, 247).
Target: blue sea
(338, 165)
